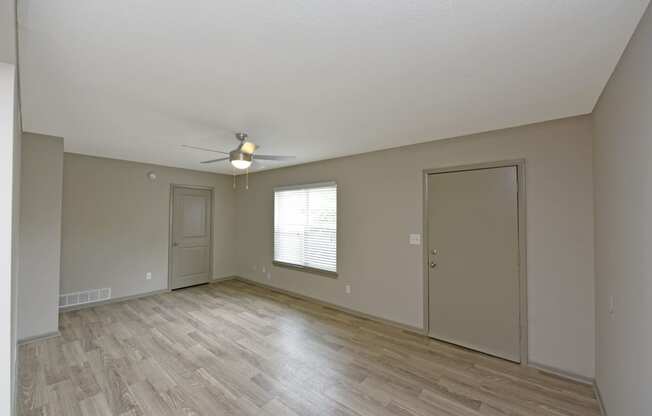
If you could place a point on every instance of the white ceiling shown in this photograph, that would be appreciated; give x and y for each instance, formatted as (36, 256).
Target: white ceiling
(318, 79)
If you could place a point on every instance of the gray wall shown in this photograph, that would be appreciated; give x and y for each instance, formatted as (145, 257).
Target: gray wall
(623, 230)
(40, 235)
(116, 224)
(381, 204)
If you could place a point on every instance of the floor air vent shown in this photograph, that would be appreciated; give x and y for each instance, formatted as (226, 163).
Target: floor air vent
(87, 296)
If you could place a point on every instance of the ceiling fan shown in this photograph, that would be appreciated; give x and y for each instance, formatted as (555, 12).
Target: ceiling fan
(241, 157)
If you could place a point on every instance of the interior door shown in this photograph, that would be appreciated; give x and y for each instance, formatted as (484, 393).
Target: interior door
(473, 256)
(191, 236)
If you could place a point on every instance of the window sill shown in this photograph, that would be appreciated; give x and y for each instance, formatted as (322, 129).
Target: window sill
(325, 273)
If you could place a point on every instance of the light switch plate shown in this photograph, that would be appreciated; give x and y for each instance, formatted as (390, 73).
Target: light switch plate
(415, 239)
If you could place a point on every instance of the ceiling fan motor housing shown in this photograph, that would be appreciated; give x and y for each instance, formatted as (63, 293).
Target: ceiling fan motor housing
(239, 155)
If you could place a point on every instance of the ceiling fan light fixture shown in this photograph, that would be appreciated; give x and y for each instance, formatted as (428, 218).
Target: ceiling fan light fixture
(240, 160)
(248, 147)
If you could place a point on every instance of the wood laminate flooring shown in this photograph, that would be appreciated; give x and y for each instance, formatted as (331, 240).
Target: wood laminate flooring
(232, 348)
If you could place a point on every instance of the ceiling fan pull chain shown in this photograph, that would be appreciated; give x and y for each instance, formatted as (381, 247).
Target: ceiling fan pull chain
(247, 179)
(233, 170)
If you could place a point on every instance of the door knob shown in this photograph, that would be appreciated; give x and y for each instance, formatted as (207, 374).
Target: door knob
(175, 244)
(433, 264)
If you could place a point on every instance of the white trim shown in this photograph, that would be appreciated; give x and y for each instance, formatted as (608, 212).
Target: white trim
(300, 267)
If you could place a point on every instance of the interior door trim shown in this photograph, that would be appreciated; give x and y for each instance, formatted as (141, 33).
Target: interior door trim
(174, 186)
(522, 239)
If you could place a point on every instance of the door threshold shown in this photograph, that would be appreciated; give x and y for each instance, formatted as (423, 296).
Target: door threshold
(188, 287)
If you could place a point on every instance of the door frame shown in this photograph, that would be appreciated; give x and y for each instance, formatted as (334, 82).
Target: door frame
(522, 240)
(173, 186)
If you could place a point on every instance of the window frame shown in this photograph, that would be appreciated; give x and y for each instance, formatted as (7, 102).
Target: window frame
(298, 267)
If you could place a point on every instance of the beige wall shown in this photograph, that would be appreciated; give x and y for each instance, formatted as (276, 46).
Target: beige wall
(116, 224)
(381, 204)
(40, 235)
(623, 237)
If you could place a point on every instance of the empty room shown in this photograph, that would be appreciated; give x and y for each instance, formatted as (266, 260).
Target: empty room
(352, 208)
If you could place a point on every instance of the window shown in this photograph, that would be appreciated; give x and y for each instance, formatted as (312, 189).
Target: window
(305, 226)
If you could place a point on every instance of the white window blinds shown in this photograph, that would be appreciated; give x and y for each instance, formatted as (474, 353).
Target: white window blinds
(305, 226)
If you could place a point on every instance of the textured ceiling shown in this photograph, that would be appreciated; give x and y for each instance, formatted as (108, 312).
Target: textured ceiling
(317, 79)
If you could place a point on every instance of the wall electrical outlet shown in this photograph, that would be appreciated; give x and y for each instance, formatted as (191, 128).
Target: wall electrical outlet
(347, 289)
(264, 269)
(415, 239)
(269, 275)
(148, 275)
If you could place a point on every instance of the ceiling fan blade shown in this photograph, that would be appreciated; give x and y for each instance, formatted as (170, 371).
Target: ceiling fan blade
(215, 160)
(248, 147)
(204, 149)
(273, 157)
